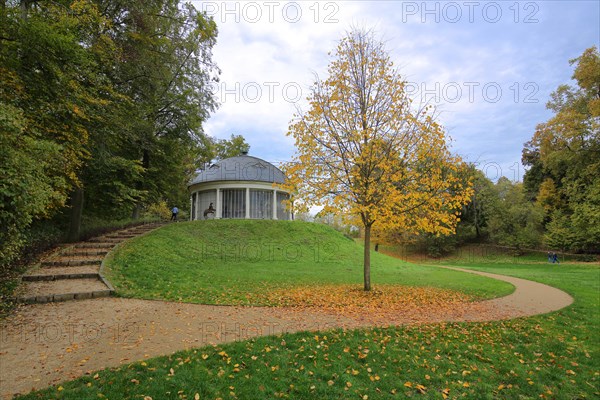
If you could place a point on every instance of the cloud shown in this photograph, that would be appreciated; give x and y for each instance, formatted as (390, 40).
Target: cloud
(489, 66)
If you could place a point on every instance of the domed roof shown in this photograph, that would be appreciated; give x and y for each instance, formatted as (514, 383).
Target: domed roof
(241, 168)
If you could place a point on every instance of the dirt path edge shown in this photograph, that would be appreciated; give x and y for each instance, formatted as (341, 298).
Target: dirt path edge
(529, 298)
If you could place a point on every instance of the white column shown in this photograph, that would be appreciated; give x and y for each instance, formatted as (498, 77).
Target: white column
(247, 203)
(197, 216)
(191, 207)
(219, 207)
(274, 204)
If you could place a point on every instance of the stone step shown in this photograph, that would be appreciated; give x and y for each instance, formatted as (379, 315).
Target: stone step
(104, 239)
(63, 290)
(55, 273)
(94, 245)
(75, 257)
(146, 227)
(138, 232)
(71, 263)
(122, 236)
(55, 277)
(83, 253)
(74, 273)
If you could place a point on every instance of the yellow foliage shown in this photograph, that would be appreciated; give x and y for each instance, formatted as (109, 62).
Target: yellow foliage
(160, 210)
(364, 150)
(548, 197)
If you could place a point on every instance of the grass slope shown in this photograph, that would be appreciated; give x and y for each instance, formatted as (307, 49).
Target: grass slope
(231, 261)
(553, 356)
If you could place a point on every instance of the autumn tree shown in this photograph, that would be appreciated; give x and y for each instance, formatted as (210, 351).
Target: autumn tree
(563, 160)
(365, 151)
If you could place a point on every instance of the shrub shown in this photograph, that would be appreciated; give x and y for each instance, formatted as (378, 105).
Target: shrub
(158, 210)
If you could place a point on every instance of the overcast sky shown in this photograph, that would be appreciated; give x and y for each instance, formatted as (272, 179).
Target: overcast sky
(489, 66)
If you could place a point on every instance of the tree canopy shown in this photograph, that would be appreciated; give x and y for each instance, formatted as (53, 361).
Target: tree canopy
(365, 151)
(564, 159)
(101, 108)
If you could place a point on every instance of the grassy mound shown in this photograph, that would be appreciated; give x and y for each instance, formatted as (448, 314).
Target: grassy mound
(239, 261)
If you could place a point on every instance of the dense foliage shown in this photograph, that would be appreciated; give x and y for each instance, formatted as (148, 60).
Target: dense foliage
(557, 206)
(564, 160)
(101, 112)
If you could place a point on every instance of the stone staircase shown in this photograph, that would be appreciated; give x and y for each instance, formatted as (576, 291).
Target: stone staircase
(75, 272)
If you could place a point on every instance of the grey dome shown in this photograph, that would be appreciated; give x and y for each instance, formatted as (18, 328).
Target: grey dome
(241, 168)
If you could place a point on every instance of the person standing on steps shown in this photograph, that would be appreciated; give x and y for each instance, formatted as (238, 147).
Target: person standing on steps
(174, 212)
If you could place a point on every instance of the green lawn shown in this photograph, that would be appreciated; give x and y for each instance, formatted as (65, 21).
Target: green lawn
(231, 261)
(553, 356)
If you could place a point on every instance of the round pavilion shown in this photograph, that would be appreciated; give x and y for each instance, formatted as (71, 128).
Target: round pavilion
(239, 187)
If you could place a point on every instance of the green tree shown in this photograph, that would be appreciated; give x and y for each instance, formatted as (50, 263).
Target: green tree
(27, 191)
(476, 214)
(49, 89)
(167, 71)
(234, 146)
(564, 160)
(160, 65)
(213, 149)
(102, 101)
(515, 221)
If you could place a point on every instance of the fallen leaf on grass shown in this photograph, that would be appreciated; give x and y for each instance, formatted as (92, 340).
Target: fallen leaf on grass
(351, 300)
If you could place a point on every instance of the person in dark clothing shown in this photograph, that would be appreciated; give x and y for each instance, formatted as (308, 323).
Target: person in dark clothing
(209, 210)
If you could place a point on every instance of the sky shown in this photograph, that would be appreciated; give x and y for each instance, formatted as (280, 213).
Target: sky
(489, 67)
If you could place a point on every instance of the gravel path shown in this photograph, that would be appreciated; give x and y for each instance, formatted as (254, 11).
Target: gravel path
(45, 344)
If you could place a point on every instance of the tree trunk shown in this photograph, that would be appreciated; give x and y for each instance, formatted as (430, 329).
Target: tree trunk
(24, 6)
(137, 208)
(475, 207)
(76, 213)
(367, 258)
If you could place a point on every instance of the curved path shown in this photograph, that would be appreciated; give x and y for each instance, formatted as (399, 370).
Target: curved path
(45, 344)
(529, 298)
